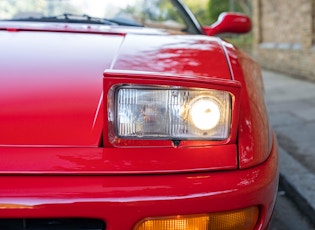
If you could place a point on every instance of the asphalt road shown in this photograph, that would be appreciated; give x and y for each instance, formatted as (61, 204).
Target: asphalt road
(287, 216)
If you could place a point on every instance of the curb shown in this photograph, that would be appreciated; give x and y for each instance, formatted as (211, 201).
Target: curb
(298, 183)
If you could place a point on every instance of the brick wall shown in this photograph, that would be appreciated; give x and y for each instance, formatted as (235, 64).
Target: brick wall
(284, 36)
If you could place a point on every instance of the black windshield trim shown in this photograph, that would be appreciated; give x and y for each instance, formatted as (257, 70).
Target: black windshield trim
(72, 18)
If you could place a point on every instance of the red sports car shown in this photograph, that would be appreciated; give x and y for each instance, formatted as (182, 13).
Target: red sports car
(127, 114)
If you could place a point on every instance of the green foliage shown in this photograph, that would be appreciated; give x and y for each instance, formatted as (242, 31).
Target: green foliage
(216, 7)
(162, 10)
(243, 41)
(200, 10)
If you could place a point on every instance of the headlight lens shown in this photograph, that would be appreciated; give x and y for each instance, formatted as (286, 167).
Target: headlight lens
(172, 113)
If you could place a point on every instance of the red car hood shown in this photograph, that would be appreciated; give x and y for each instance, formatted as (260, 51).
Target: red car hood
(51, 78)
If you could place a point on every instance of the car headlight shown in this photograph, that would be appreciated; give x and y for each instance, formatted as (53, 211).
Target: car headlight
(172, 113)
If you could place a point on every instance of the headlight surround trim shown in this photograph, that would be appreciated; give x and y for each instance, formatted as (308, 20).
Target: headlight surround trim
(118, 78)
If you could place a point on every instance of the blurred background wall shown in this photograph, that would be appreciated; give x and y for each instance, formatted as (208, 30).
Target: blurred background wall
(284, 36)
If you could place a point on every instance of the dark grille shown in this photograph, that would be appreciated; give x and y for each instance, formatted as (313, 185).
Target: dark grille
(52, 224)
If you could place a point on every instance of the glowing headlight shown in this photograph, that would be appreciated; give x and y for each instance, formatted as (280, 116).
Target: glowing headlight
(205, 113)
(172, 113)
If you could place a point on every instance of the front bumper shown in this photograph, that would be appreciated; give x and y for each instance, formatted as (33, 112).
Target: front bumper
(121, 201)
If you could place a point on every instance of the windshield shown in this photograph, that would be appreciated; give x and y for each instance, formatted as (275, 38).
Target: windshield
(165, 14)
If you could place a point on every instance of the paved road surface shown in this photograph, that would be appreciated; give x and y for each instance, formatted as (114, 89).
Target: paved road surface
(287, 216)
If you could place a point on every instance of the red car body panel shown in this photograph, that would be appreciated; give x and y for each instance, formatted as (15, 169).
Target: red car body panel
(194, 56)
(57, 158)
(254, 131)
(44, 102)
(121, 201)
(108, 161)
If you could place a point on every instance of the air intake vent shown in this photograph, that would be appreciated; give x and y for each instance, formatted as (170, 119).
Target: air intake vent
(52, 224)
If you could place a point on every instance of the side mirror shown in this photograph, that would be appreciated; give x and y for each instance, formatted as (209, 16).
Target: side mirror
(229, 23)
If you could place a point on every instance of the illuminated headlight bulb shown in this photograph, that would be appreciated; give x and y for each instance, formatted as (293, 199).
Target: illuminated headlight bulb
(204, 113)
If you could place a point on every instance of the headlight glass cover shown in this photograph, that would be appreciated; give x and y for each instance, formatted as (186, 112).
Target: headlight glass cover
(173, 113)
